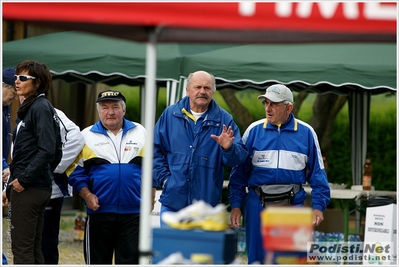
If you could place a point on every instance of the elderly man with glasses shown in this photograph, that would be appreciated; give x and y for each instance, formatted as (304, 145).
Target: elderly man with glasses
(283, 154)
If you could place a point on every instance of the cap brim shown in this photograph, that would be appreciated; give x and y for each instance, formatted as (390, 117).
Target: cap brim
(271, 98)
(261, 96)
(112, 99)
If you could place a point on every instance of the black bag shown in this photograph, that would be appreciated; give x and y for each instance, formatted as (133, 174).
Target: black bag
(276, 194)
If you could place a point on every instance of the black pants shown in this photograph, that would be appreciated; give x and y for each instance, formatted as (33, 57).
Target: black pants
(107, 233)
(27, 219)
(51, 230)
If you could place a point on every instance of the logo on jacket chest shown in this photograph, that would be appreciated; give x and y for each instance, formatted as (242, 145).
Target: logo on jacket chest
(264, 158)
(131, 145)
(261, 156)
(129, 148)
(101, 144)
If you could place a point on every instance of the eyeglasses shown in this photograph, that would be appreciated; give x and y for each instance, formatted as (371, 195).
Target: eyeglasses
(272, 104)
(23, 78)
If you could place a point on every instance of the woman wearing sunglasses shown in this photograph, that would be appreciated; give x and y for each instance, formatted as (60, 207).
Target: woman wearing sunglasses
(35, 152)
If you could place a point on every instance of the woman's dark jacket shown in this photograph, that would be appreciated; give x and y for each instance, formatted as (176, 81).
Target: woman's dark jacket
(35, 146)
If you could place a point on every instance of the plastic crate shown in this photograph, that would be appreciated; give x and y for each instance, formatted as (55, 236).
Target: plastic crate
(221, 245)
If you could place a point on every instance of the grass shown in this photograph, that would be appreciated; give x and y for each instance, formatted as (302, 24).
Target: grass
(67, 223)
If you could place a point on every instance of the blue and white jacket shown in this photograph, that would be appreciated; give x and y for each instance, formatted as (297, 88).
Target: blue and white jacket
(188, 163)
(112, 172)
(289, 154)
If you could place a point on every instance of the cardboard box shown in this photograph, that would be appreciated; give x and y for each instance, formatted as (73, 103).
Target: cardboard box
(381, 227)
(286, 228)
(221, 245)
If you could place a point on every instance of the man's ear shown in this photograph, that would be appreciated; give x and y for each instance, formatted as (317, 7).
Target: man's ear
(290, 108)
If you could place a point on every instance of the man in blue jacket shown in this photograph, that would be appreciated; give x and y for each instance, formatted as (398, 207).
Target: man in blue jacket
(194, 139)
(107, 175)
(283, 151)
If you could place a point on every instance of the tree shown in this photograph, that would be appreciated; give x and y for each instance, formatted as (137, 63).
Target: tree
(241, 115)
(325, 110)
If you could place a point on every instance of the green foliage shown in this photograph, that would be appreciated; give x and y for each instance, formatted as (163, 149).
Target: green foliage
(220, 100)
(161, 102)
(249, 99)
(381, 145)
(67, 222)
(132, 95)
(306, 111)
(339, 164)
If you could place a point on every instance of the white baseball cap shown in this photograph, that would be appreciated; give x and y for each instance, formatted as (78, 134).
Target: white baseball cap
(278, 93)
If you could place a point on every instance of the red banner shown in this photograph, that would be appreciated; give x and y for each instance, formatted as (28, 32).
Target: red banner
(327, 16)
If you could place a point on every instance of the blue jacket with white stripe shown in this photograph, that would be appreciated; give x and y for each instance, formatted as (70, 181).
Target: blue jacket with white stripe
(289, 154)
(111, 171)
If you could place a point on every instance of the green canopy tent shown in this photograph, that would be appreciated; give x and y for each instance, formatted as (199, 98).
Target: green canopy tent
(318, 67)
(339, 68)
(91, 58)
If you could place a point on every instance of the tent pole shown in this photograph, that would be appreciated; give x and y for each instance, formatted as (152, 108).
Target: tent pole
(359, 109)
(359, 112)
(146, 184)
(142, 104)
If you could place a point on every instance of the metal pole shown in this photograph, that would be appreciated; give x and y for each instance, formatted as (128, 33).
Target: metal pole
(150, 106)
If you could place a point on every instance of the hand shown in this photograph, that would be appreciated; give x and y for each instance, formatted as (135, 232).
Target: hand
(16, 186)
(226, 138)
(5, 200)
(235, 218)
(92, 201)
(317, 217)
(5, 173)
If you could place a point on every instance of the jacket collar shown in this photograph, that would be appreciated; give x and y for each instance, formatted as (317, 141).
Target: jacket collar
(213, 112)
(98, 127)
(290, 124)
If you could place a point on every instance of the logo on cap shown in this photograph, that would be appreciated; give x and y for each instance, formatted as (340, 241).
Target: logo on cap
(109, 94)
(273, 89)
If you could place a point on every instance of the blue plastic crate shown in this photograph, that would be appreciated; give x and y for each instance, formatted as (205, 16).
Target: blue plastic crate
(221, 245)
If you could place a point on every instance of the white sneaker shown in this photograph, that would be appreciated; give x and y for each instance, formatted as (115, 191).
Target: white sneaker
(198, 215)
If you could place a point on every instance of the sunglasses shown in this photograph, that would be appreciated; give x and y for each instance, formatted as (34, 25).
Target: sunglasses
(23, 78)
